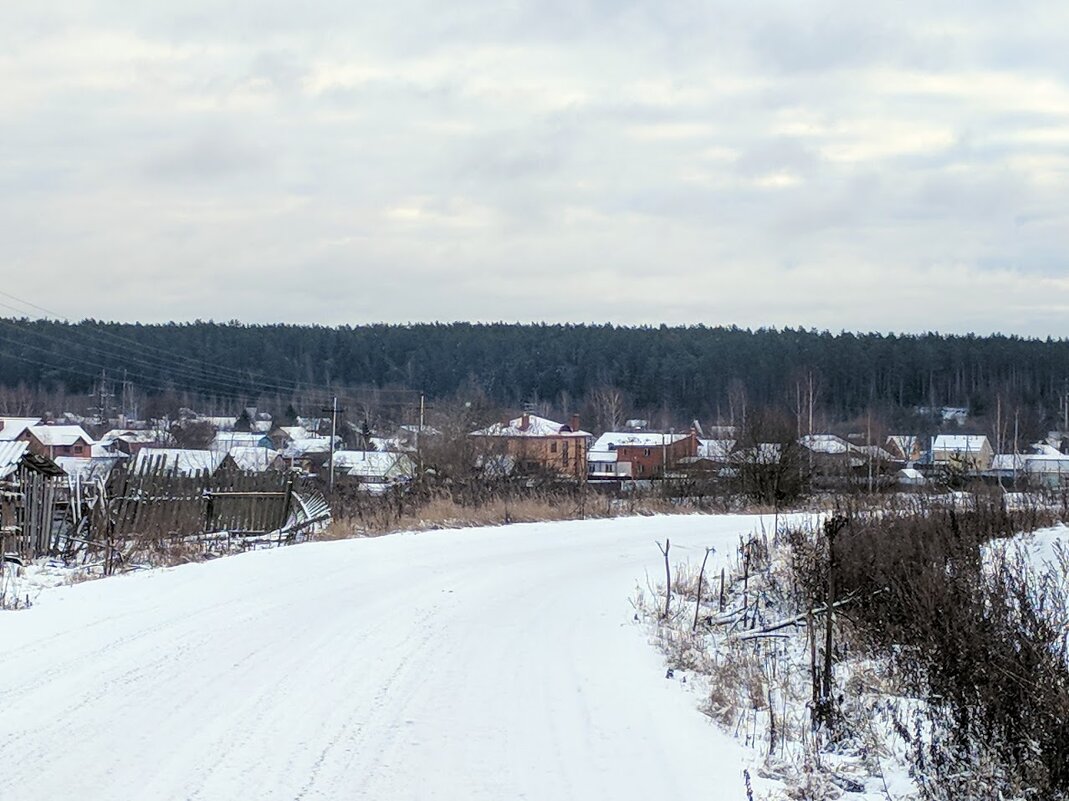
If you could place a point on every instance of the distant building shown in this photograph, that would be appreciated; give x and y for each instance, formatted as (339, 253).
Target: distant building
(650, 454)
(535, 443)
(178, 461)
(245, 459)
(225, 441)
(12, 427)
(963, 451)
(605, 465)
(53, 441)
(375, 471)
(129, 441)
(905, 447)
(308, 454)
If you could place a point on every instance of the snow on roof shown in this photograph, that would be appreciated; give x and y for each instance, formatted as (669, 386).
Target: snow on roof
(183, 461)
(60, 436)
(911, 473)
(295, 432)
(134, 436)
(904, 442)
(219, 423)
(252, 459)
(226, 440)
(1043, 449)
(411, 428)
(715, 448)
(826, 443)
(762, 453)
(86, 470)
(971, 443)
(1008, 461)
(637, 439)
(374, 464)
(13, 426)
(602, 456)
(536, 427)
(875, 451)
(11, 452)
(307, 445)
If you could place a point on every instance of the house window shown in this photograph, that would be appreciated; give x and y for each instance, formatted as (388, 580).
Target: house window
(553, 447)
(641, 469)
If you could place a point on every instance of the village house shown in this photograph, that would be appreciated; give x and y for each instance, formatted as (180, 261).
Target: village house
(226, 440)
(714, 455)
(905, 447)
(246, 459)
(53, 441)
(178, 461)
(12, 427)
(963, 451)
(130, 441)
(535, 443)
(1045, 465)
(650, 454)
(375, 471)
(88, 470)
(829, 454)
(605, 466)
(308, 454)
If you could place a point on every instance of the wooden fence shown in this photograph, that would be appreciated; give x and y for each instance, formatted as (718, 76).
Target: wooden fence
(157, 504)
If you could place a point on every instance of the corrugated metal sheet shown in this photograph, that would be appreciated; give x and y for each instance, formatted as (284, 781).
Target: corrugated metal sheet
(10, 454)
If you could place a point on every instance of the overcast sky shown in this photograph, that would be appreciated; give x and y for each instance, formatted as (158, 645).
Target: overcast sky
(875, 166)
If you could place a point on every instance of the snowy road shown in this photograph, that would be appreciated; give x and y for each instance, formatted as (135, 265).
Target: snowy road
(475, 664)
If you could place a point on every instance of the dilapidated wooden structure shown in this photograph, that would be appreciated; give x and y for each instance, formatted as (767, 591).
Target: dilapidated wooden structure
(32, 501)
(159, 508)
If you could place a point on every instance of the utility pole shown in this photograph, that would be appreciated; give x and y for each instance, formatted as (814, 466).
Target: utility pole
(103, 397)
(868, 443)
(333, 410)
(419, 434)
(1016, 427)
(1065, 406)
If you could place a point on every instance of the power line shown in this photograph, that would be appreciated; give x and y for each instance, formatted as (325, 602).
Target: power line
(229, 373)
(194, 368)
(228, 382)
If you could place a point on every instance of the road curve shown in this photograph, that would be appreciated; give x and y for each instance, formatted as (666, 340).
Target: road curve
(489, 664)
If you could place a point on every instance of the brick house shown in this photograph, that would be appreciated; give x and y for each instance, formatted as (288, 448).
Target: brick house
(53, 441)
(535, 443)
(650, 454)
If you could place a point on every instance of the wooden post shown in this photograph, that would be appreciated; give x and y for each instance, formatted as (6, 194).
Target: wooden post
(701, 578)
(667, 575)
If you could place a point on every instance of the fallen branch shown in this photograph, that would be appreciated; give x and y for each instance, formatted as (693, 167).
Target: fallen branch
(800, 619)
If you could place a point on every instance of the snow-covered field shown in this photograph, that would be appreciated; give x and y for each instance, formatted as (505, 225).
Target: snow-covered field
(473, 664)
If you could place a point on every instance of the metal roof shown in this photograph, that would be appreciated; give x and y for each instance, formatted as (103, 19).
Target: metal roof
(11, 452)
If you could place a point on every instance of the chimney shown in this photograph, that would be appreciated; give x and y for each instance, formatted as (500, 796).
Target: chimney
(525, 422)
(575, 422)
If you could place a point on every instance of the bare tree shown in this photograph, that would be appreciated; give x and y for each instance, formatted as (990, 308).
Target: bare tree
(608, 403)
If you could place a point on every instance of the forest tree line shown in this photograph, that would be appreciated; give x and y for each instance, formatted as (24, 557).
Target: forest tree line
(703, 372)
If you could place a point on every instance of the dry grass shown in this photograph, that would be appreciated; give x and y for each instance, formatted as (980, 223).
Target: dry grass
(444, 512)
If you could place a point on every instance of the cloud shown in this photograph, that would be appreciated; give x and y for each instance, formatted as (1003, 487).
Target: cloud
(768, 164)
